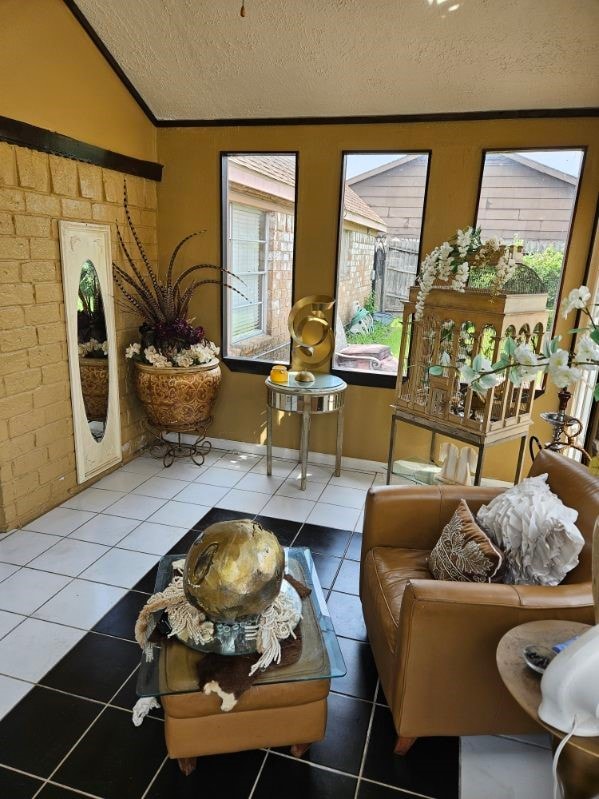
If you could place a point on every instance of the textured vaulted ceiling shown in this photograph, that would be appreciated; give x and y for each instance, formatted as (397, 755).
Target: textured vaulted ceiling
(199, 59)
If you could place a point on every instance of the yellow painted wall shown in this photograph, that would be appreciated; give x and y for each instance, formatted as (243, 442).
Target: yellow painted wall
(189, 198)
(53, 76)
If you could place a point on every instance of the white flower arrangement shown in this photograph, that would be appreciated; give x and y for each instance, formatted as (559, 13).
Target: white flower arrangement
(452, 261)
(194, 355)
(93, 349)
(522, 364)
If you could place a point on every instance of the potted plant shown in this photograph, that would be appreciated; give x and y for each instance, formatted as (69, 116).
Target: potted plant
(177, 371)
(93, 346)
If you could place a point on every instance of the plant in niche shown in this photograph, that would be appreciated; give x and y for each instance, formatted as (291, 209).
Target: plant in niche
(91, 324)
(168, 337)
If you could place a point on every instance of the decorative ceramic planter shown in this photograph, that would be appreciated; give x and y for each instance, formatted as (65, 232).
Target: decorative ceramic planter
(94, 387)
(178, 399)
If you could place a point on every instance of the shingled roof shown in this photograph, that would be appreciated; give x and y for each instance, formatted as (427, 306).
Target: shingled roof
(282, 168)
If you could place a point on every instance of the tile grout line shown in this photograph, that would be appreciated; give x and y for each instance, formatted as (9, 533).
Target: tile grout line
(366, 741)
(84, 733)
(258, 775)
(153, 780)
(406, 792)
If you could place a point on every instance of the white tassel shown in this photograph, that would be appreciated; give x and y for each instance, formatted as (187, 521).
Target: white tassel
(276, 624)
(142, 707)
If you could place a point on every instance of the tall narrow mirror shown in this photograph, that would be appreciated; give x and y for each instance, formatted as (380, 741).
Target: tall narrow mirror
(91, 337)
(93, 350)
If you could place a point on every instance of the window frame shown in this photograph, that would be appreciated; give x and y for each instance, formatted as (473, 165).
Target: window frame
(371, 378)
(236, 363)
(584, 149)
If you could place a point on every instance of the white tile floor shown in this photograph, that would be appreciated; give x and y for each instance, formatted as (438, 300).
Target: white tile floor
(61, 574)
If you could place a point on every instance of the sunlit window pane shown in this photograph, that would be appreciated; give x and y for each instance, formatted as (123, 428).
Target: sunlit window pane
(379, 244)
(259, 229)
(529, 197)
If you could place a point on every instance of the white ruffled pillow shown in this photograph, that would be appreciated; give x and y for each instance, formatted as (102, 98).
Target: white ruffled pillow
(536, 532)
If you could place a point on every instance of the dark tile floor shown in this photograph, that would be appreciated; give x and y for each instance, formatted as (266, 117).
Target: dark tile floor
(72, 735)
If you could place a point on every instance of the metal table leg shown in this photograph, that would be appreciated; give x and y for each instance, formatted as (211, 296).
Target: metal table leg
(391, 448)
(431, 451)
(479, 466)
(339, 442)
(268, 440)
(305, 443)
(520, 460)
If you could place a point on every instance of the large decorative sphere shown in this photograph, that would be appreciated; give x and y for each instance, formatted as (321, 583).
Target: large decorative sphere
(233, 570)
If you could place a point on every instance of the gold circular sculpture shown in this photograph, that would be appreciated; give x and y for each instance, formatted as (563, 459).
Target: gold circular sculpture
(313, 341)
(233, 570)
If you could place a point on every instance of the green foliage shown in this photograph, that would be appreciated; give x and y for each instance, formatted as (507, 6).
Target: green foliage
(548, 266)
(370, 303)
(390, 335)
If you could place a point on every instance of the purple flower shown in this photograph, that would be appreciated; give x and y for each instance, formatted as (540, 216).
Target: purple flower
(170, 337)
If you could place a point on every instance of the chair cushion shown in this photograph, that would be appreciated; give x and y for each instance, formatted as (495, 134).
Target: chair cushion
(387, 571)
(536, 531)
(464, 552)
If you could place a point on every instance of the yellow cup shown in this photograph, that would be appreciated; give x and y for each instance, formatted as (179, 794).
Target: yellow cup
(278, 373)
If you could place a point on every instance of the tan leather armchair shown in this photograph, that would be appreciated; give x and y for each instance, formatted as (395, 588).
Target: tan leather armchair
(434, 641)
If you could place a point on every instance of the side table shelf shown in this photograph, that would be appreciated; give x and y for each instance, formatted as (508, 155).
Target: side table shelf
(478, 440)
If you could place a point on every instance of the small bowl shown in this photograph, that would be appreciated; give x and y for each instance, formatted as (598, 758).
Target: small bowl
(538, 657)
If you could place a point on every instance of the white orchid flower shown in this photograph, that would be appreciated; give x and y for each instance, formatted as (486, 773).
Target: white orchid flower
(576, 299)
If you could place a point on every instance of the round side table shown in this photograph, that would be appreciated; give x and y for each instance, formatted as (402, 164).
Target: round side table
(578, 766)
(325, 395)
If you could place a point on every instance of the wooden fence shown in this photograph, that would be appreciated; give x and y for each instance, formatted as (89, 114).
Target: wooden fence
(396, 266)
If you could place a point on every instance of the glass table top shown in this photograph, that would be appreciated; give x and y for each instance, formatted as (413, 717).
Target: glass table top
(174, 667)
(322, 383)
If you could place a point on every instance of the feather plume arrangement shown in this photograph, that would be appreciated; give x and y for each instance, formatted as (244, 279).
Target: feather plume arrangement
(168, 337)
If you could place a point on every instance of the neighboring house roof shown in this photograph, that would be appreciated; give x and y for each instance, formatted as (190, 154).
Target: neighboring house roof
(405, 159)
(546, 170)
(354, 204)
(282, 169)
(279, 167)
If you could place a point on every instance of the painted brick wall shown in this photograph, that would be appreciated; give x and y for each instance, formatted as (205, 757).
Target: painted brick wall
(37, 456)
(355, 272)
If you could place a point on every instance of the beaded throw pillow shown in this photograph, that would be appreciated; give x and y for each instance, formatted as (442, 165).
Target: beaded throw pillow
(464, 553)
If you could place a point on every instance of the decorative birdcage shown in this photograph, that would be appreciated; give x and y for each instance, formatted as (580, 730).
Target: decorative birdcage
(454, 329)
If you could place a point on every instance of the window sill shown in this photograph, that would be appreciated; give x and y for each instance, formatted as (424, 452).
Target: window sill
(248, 366)
(372, 379)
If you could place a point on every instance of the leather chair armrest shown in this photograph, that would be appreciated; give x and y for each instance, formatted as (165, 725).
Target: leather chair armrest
(445, 652)
(413, 516)
(535, 597)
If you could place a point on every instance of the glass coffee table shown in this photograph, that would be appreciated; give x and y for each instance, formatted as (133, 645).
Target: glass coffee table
(173, 669)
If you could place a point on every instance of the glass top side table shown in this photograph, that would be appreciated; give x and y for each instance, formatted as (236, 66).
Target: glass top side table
(326, 394)
(173, 669)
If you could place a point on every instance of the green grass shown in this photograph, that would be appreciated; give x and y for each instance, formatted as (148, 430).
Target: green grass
(390, 335)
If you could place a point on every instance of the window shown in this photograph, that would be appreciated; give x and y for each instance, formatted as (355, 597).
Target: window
(529, 197)
(247, 236)
(258, 249)
(382, 208)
